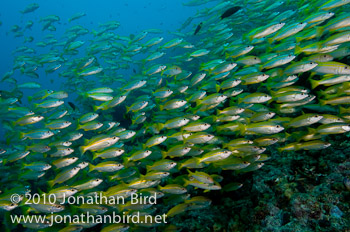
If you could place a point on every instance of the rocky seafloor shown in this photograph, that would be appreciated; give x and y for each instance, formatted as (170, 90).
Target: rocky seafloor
(294, 191)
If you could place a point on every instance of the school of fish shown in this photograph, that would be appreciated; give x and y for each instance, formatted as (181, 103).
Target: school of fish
(253, 76)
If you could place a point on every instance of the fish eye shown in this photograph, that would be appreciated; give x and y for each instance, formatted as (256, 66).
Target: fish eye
(278, 126)
(345, 67)
(68, 149)
(120, 150)
(114, 137)
(301, 23)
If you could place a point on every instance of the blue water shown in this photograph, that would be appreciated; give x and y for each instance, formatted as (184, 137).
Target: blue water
(133, 15)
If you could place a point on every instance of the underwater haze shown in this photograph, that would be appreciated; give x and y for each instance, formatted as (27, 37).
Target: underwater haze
(184, 115)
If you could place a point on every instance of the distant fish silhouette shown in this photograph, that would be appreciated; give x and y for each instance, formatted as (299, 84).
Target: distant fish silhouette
(198, 28)
(72, 105)
(230, 11)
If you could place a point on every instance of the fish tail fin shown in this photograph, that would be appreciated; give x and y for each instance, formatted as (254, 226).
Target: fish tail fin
(312, 130)
(323, 102)
(159, 126)
(126, 160)
(343, 110)
(82, 150)
(269, 49)
(128, 109)
(319, 31)
(198, 161)
(12, 124)
(21, 135)
(198, 102)
(299, 39)
(261, 67)
(51, 183)
(120, 207)
(187, 182)
(314, 83)
(242, 128)
(250, 38)
(164, 154)
(217, 88)
(95, 108)
(91, 167)
(298, 50)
